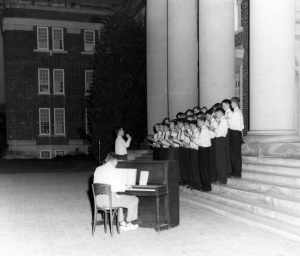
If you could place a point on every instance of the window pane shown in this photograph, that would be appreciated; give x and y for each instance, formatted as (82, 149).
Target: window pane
(44, 121)
(42, 34)
(89, 40)
(57, 39)
(58, 81)
(88, 80)
(43, 80)
(59, 121)
(45, 154)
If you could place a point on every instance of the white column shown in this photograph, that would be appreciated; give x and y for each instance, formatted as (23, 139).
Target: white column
(157, 59)
(272, 67)
(182, 55)
(216, 51)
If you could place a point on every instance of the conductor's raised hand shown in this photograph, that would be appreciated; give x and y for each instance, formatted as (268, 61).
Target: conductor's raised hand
(128, 136)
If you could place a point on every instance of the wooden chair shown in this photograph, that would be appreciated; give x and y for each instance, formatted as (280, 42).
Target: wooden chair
(108, 212)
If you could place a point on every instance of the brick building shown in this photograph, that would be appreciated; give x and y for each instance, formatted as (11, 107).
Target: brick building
(48, 58)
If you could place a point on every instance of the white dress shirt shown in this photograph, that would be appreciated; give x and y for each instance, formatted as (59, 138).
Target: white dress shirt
(121, 146)
(214, 124)
(237, 120)
(204, 138)
(195, 138)
(228, 115)
(222, 129)
(108, 174)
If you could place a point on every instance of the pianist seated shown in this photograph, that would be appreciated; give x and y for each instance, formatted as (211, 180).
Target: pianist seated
(107, 174)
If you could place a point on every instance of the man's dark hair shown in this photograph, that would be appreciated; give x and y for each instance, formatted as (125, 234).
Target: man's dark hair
(193, 122)
(209, 112)
(226, 101)
(236, 100)
(117, 129)
(202, 118)
(110, 157)
(220, 110)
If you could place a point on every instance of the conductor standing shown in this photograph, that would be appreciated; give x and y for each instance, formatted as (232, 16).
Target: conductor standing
(121, 145)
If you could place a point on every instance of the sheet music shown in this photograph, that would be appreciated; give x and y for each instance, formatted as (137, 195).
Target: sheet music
(144, 175)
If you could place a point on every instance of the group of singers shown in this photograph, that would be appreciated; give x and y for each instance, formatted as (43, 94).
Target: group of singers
(206, 142)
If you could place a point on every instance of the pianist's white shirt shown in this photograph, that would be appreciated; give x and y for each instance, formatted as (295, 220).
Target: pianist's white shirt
(108, 174)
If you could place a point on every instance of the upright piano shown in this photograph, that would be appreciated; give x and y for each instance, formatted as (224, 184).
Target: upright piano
(159, 199)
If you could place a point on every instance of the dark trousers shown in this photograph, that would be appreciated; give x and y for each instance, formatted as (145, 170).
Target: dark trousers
(188, 165)
(235, 144)
(182, 166)
(204, 162)
(222, 159)
(212, 161)
(228, 164)
(122, 157)
(195, 174)
(155, 153)
(163, 153)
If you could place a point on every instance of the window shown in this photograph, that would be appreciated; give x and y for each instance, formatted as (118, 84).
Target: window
(42, 38)
(237, 15)
(89, 40)
(59, 121)
(87, 124)
(43, 80)
(45, 154)
(57, 39)
(58, 81)
(44, 121)
(60, 153)
(88, 80)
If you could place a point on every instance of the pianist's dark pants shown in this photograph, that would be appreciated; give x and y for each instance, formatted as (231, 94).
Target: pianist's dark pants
(182, 166)
(204, 159)
(228, 164)
(222, 159)
(188, 165)
(195, 174)
(212, 161)
(235, 143)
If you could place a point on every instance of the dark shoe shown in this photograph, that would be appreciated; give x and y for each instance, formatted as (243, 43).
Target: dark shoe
(236, 177)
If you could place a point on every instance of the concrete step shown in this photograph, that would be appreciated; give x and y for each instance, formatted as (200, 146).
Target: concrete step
(285, 230)
(272, 169)
(260, 204)
(281, 161)
(251, 207)
(272, 178)
(267, 188)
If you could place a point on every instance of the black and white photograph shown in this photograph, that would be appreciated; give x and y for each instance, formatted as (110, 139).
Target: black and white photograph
(150, 127)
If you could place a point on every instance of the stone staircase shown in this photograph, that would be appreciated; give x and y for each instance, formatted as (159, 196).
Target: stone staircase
(267, 197)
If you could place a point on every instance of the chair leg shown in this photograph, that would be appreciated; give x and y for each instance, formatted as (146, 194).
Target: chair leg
(105, 221)
(94, 222)
(117, 221)
(111, 218)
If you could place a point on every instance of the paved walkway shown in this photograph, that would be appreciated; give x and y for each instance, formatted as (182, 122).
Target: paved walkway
(45, 214)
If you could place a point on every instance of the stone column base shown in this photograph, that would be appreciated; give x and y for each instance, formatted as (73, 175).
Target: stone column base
(271, 145)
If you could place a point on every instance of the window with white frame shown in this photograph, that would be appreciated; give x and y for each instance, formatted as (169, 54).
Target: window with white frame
(237, 14)
(43, 80)
(59, 121)
(44, 121)
(87, 124)
(42, 38)
(60, 153)
(88, 80)
(58, 81)
(45, 154)
(57, 39)
(89, 40)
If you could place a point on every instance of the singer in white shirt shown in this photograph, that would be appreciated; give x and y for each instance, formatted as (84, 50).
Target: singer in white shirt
(222, 148)
(236, 138)
(204, 143)
(121, 145)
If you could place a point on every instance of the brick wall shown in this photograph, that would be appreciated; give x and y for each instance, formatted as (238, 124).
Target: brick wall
(21, 79)
(242, 39)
